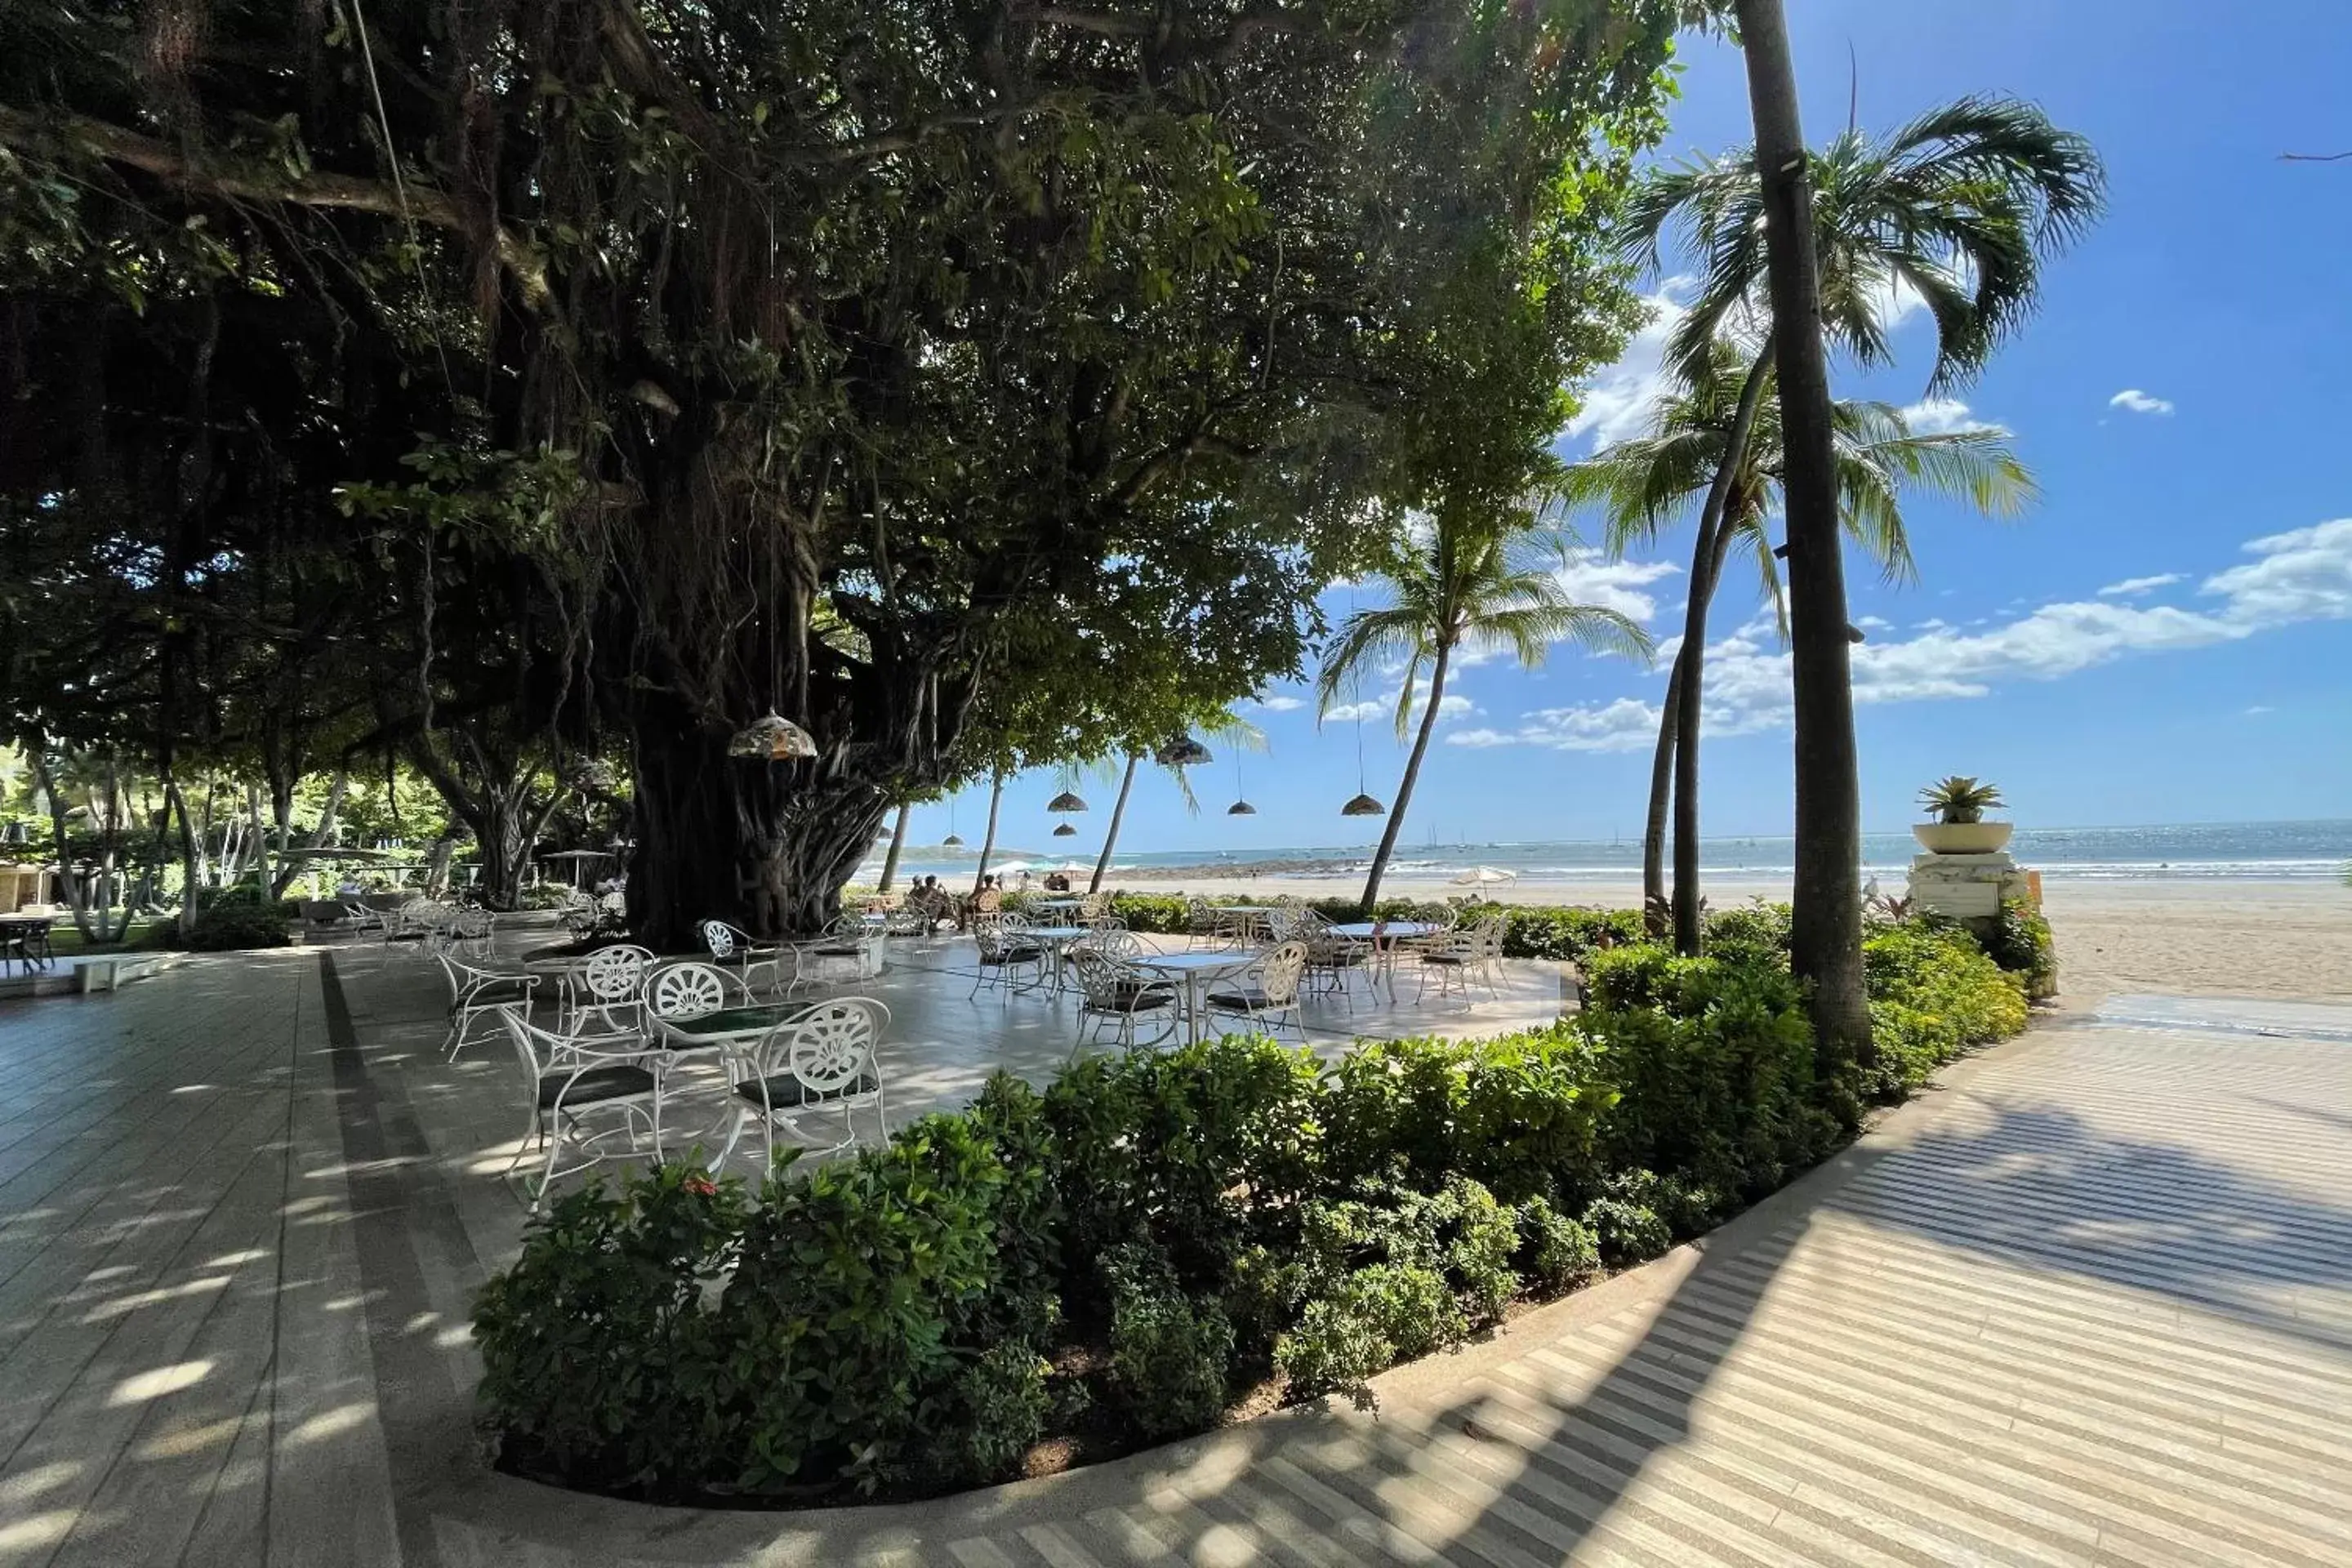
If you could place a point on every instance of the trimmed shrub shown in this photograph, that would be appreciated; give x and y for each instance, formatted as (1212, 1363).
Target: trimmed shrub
(2019, 939)
(1391, 1275)
(1626, 1232)
(598, 1348)
(1169, 1355)
(229, 927)
(1556, 1253)
(881, 1320)
(1933, 994)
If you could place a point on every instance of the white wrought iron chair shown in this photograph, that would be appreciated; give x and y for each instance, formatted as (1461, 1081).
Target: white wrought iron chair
(609, 984)
(1005, 950)
(588, 1093)
(1116, 996)
(816, 1063)
(476, 992)
(693, 989)
(1269, 991)
(733, 948)
(1459, 956)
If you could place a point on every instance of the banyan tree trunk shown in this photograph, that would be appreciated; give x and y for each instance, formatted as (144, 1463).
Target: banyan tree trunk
(764, 845)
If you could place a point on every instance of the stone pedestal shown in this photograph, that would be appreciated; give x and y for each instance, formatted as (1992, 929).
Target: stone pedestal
(1967, 887)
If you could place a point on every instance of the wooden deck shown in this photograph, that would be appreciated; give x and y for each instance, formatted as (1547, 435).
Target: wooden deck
(2091, 1303)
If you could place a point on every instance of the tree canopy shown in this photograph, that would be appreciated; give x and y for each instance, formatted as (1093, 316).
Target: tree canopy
(949, 377)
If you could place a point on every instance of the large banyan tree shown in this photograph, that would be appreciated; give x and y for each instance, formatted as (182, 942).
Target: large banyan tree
(858, 360)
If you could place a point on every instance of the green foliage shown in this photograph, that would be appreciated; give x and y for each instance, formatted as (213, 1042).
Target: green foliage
(852, 1277)
(1556, 1253)
(993, 1414)
(1200, 1151)
(598, 1346)
(1170, 1355)
(1712, 1061)
(226, 927)
(1392, 1274)
(1933, 994)
(2019, 940)
(879, 1321)
(1626, 1232)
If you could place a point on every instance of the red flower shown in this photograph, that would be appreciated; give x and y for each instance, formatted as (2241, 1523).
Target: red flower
(701, 1185)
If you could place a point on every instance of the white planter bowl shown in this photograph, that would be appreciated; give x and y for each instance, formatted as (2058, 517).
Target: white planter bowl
(1963, 837)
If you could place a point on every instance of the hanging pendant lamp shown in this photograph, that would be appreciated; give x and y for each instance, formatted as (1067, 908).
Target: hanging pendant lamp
(953, 841)
(1067, 801)
(1363, 805)
(771, 738)
(1241, 807)
(1066, 831)
(1181, 752)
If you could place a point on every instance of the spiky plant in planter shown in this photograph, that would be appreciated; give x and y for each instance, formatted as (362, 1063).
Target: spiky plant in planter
(1959, 804)
(1961, 799)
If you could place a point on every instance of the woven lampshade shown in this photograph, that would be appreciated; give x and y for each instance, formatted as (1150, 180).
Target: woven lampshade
(1241, 808)
(1066, 831)
(1363, 805)
(1066, 801)
(1183, 751)
(771, 738)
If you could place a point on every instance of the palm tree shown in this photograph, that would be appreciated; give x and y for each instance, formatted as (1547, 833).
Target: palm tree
(1960, 206)
(1641, 486)
(1230, 728)
(1462, 583)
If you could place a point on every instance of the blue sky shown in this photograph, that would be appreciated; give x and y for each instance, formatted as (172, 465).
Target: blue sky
(2167, 637)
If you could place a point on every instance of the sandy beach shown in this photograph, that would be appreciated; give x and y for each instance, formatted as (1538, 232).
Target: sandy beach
(2222, 938)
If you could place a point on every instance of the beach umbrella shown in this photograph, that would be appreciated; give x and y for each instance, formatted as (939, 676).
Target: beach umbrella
(1485, 876)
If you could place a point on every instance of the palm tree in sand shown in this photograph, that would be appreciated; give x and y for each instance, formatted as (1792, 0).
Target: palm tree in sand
(1642, 487)
(1958, 209)
(1461, 582)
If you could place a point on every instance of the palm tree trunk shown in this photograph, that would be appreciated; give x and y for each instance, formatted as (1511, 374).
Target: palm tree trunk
(898, 843)
(1706, 570)
(1404, 786)
(988, 842)
(1118, 814)
(1826, 939)
(1662, 791)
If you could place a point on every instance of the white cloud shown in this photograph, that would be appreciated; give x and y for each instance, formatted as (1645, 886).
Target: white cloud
(1277, 704)
(1589, 577)
(2259, 709)
(1873, 623)
(2133, 400)
(1453, 705)
(1627, 725)
(2133, 587)
(1616, 403)
(2302, 575)
(1944, 416)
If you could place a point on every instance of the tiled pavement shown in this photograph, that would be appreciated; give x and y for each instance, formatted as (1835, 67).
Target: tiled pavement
(2091, 1302)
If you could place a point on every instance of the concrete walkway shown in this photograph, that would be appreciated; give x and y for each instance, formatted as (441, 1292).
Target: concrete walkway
(2091, 1302)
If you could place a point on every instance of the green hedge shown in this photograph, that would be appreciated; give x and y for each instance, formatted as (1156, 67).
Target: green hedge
(1123, 1252)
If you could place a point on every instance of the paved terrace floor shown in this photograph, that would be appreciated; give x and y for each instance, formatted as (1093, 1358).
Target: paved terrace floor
(2091, 1302)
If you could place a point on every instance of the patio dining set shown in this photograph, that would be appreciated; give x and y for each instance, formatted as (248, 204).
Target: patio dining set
(1244, 966)
(623, 1054)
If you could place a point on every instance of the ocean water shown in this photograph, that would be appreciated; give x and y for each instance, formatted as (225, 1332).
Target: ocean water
(2221, 851)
